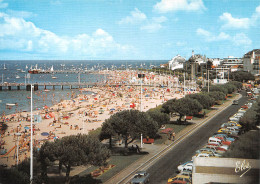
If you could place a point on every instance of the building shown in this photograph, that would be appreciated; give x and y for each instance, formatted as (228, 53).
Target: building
(232, 61)
(252, 61)
(176, 63)
(225, 170)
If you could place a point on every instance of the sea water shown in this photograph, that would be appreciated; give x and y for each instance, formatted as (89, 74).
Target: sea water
(17, 72)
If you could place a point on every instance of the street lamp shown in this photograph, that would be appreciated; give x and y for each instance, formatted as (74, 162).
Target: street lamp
(17, 146)
(141, 76)
(31, 159)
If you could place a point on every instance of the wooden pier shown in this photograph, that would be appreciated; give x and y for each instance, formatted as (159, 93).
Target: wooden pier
(59, 85)
(63, 71)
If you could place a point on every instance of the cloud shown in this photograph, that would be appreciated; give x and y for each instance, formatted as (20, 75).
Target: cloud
(239, 23)
(155, 24)
(22, 14)
(210, 37)
(19, 35)
(136, 17)
(165, 6)
(3, 5)
(239, 39)
(234, 23)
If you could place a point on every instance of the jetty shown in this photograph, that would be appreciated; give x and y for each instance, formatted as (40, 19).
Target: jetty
(60, 85)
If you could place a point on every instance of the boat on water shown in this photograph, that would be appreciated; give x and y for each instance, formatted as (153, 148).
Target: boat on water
(34, 70)
(4, 67)
(17, 77)
(54, 77)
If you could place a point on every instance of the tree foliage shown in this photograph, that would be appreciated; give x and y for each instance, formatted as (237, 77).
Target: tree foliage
(230, 87)
(217, 95)
(251, 118)
(246, 147)
(159, 117)
(167, 107)
(203, 98)
(220, 88)
(186, 106)
(238, 85)
(130, 124)
(242, 76)
(72, 151)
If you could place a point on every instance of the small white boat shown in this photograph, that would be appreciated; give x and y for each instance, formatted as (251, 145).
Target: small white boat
(54, 77)
(17, 77)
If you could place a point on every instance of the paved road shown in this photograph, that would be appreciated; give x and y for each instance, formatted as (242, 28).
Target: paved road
(167, 166)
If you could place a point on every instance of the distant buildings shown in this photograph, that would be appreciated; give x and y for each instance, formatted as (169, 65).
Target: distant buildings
(176, 63)
(251, 62)
(197, 65)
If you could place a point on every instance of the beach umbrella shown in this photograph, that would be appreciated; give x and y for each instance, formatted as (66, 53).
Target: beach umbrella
(46, 107)
(45, 134)
(26, 128)
(112, 109)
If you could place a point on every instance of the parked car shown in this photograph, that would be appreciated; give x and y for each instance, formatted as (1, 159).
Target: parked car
(202, 155)
(228, 138)
(187, 166)
(185, 173)
(183, 179)
(209, 150)
(141, 177)
(231, 124)
(235, 102)
(224, 140)
(227, 131)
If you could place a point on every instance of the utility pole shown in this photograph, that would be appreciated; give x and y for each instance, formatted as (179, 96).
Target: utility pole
(208, 81)
(31, 159)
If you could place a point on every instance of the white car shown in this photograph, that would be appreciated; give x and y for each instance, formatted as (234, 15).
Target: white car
(187, 166)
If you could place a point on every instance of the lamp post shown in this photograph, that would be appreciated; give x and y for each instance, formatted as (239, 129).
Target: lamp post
(31, 157)
(141, 76)
(17, 146)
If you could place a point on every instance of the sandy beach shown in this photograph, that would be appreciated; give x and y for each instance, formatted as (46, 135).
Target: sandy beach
(85, 113)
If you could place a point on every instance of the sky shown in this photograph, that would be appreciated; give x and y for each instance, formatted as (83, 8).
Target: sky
(127, 29)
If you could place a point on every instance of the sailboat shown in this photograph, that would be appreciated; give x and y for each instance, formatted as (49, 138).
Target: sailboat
(4, 67)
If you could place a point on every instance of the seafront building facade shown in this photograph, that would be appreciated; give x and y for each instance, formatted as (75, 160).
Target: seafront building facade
(251, 62)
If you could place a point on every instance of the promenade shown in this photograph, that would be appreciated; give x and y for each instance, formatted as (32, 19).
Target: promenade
(159, 150)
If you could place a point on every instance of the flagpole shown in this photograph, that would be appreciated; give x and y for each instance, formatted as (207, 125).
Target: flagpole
(31, 157)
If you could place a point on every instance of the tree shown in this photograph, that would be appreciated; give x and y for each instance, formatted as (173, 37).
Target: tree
(186, 106)
(242, 76)
(238, 85)
(80, 149)
(217, 95)
(158, 116)
(167, 107)
(107, 132)
(230, 87)
(220, 88)
(246, 147)
(130, 124)
(203, 98)
(251, 118)
(45, 156)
